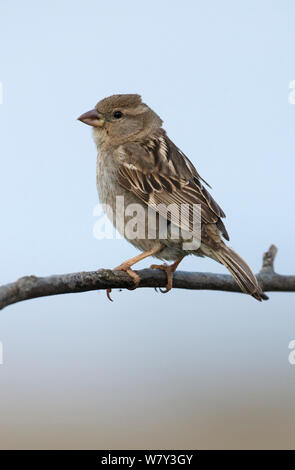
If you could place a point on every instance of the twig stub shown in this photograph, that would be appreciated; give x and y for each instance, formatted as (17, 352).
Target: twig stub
(268, 259)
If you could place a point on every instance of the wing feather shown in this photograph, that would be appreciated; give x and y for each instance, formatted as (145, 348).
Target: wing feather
(159, 173)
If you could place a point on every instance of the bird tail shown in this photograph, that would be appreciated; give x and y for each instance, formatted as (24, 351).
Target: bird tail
(241, 272)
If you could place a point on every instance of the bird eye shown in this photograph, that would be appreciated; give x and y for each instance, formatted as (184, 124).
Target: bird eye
(117, 114)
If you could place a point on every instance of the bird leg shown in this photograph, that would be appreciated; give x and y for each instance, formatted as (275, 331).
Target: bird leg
(126, 266)
(169, 270)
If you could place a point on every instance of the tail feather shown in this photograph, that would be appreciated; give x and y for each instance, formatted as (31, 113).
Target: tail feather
(241, 272)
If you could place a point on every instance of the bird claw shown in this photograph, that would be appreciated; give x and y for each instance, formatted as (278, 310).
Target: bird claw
(108, 292)
(164, 291)
(126, 268)
(169, 270)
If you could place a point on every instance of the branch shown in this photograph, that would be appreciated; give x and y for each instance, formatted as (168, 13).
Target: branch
(30, 287)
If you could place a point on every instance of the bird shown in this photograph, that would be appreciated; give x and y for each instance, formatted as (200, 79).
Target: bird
(138, 163)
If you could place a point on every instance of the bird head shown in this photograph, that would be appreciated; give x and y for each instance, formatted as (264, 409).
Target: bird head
(121, 118)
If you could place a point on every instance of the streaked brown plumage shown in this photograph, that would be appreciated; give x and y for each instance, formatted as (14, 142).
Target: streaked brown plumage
(137, 160)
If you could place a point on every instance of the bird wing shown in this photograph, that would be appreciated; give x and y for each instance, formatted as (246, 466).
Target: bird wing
(159, 174)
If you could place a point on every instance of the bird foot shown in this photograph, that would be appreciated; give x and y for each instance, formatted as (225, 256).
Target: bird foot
(127, 269)
(169, 270)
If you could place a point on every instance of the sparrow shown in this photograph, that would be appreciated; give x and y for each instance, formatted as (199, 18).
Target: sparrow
(139, 163)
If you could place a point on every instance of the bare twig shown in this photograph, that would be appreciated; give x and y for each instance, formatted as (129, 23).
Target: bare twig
(30, 287)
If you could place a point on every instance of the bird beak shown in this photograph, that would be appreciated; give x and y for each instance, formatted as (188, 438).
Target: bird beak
(92, 118)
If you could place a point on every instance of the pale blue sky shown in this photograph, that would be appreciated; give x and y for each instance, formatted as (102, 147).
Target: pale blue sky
(187, 369)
